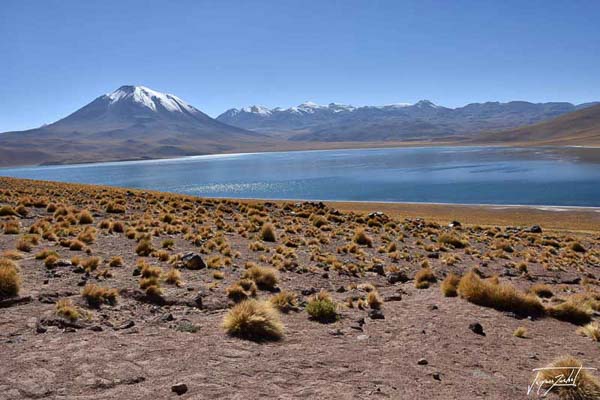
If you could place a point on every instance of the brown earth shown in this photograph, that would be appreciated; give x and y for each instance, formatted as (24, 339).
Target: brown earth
(138, 348)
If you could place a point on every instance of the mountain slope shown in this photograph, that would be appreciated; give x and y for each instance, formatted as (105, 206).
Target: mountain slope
(581, 127)
(130, 123)
(422, 120)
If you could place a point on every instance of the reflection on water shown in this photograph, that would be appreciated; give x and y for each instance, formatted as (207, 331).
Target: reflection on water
(548, 176)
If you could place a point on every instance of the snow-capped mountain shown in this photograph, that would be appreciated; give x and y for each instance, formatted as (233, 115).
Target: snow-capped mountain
(129, 123)
(423, 119)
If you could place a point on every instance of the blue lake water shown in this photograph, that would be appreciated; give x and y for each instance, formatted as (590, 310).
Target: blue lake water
(475, 175)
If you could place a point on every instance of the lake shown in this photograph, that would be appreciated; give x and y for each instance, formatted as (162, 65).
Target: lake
(473, 175)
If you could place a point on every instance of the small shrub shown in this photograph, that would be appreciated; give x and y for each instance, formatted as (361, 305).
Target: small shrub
(173, 277)
(570, 311)
(90, 264)
(10, 282)
(76, 245)
(449, 285)
(144, 248)
(267, 233)
(66, 309)
(449, 239)
(24, 245)
(322, 308)
(242, 290)
(374, 300)
(167, 243)
(591, 330)
(96, 295)
(502, 297)
(424, 278)
(116, 261)
(577, 247)
(541, 290)
(253, 320)
(11, 227)
(520, 332)
(361, 238)
(265, 278)
(6, 211)
(285, 301)
(85, 217)
(583, 387)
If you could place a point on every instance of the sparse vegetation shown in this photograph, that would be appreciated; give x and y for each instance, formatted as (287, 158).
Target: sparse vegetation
(322, 308)
(97, 295)
(10, 281)
(254, 320)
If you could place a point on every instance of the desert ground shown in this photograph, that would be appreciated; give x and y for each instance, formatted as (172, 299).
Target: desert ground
(109, 293)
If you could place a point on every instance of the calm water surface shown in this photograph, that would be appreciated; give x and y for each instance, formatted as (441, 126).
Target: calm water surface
(548, 176)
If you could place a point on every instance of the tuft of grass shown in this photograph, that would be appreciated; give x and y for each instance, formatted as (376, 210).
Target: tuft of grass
(97, 295)
(24, 245)
(10, 281)
(265, 278)
(242, 290)
(285, 301)
(116, 261)
(449, 285)
(502, 297)
(90, 264)
(452, 240)
(11, 227)
(591, 330)
(584, 386)
(361, 238)
(85, 217)
(144, 248)
(424, 278)
(520, 332)
(577, 247)
(173, 277)
(541, 290)
(267, 233)
(76, 245)
(254, 320)
(6, 211)
(322, 308)
(570, 311)
(66, 309)
(374, 300)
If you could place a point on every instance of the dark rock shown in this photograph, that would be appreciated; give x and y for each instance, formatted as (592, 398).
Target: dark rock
(378, 268)
(535, 229)
(96, 328)
(359, 324)
(125, 325)
(11, 301)
(167, 317)
(477, 328)
(394, 277)
(82, 282)
(193, 261)
(454, 224)
(325, 275)
(422, 361)
(341, 289)
(434, 255)
(46, 281)
(308, 292)
(137, 271)
(393, 297)
(571, 281)
(376, 314)
(179, 388)
(39, 328)
(433, 307)
(437, 376)
(63, 263)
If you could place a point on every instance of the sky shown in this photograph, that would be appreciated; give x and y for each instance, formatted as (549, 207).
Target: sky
(58, 55)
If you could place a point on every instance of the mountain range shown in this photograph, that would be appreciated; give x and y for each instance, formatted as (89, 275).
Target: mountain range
(135, 122)
(423, 120)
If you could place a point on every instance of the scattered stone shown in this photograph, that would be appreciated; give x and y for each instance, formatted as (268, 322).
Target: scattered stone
(422, 361)
(39, 328)
(167, 317)
(11, 301)
(336, 332)
(63, 263)
(437, 376)
(137, 271)
(96, 328)
(571, 281)
(82, 282)
(433, 307)
(341, 289)
(393, 297)
(308, 292)
(193, 261)
(535, 229)
(378, 268)
(454, 224)
(125, 325)
(376, 314)
(395, 277)
(179, 388)
(362, 337)
(477, 328)
(434, 255)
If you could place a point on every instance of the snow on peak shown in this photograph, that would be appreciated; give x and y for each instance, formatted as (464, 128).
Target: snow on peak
(149, 98)
(261, 110)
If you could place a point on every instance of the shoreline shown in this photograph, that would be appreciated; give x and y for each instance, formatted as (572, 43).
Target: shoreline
(553, 218)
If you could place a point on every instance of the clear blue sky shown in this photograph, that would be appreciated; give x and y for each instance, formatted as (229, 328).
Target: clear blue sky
(58, 55)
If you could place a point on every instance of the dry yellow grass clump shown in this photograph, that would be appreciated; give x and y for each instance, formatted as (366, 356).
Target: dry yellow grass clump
(322, 308)
(254, 320)
(285, 301)
(267, 233)
(361, 238)
(503, 297)
(585, 385)
(449, 285)
(10, 281)
(265, 278)
(66, 309)
(591, 330)
(242, 290)
(424, 278)
(96, 295)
